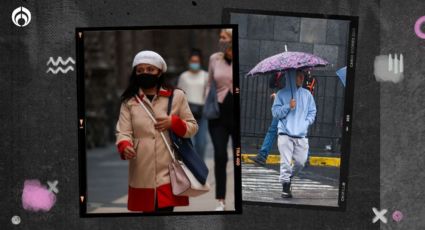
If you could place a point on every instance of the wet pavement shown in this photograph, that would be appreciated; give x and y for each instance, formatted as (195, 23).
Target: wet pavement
(313, 186)
(107, 183)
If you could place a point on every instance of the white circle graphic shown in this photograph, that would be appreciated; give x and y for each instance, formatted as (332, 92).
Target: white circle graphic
(21, 16)
(16, 220)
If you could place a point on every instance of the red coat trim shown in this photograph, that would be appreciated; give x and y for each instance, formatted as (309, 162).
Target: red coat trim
(166, 198)
(121, 146)
(165, 93)
(142, 199)
(178, 125)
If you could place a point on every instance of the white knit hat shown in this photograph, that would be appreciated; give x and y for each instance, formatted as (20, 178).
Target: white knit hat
(150, 57)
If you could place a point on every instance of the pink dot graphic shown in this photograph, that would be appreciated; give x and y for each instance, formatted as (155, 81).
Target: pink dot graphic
(418, 25)
(397, 216)
(36, 197)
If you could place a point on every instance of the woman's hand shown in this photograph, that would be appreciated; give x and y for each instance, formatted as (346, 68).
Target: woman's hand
(129, 153)
(163, 123)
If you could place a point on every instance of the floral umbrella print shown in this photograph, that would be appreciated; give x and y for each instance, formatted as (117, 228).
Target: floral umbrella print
(287, 60)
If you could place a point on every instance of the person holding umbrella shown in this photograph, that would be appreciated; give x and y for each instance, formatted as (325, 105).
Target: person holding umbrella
(295, 108)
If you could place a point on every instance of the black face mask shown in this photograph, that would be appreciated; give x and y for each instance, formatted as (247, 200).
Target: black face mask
(146, 81)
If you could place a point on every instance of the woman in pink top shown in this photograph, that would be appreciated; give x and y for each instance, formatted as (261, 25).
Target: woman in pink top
(220, 71)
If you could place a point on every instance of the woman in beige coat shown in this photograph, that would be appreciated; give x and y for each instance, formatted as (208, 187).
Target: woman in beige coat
(139, 139)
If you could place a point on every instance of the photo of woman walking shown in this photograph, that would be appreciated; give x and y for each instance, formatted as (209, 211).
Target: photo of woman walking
(139, 140)
(222, 128)
(148, 146)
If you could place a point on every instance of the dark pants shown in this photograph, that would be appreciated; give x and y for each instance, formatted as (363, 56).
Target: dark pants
(220, 130)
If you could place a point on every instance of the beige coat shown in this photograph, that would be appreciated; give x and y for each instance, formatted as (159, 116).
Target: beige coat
(148, 173)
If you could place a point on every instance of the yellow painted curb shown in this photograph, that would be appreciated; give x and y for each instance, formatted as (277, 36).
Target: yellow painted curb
(313, 160)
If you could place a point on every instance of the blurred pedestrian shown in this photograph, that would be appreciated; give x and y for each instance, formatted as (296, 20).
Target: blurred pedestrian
(222, 128)
(276, 82)
(194, 82)
(295, 108)
(139, 140)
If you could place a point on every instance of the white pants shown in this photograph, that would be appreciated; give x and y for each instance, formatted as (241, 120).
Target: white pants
(296, 148)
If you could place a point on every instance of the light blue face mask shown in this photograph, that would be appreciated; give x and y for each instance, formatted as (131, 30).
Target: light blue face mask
(195, 66)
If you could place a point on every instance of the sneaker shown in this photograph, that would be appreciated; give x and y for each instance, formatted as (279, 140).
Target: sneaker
(220, 206)
(286, 190)
(257, 160)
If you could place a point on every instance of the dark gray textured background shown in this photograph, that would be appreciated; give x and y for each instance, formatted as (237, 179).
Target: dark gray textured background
(38, 114)
(402, 116)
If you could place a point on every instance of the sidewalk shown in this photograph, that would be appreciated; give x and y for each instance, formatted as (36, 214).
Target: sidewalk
(107, 178)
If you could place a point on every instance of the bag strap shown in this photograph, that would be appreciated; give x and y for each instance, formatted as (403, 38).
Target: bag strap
(213, 82)
(154, 121)
(170, 102)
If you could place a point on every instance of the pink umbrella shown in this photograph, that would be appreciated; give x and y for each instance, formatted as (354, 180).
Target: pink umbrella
(288, 60)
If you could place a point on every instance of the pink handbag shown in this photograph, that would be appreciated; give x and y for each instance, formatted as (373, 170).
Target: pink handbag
(183, 182)
(179, 181)
(196, 188)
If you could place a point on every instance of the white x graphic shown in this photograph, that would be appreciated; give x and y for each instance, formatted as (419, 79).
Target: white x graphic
(379, 215)
(52, 186)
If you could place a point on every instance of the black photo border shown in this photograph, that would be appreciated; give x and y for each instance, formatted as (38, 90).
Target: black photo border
(81, 120)
(348, 100)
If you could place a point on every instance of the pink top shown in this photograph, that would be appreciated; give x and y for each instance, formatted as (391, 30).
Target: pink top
(222, 73)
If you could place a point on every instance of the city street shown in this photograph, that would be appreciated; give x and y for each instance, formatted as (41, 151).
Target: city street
(313, 186)
(107, 183)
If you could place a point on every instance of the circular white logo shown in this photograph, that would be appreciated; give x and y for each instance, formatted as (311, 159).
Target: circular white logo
(16, 220)
(21, 16)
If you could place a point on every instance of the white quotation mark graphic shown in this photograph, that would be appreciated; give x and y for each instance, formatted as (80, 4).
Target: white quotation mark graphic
(21, 16)
(60, 61)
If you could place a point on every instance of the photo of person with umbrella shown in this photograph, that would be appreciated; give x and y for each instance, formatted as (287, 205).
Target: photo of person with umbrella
(302, 123)
(294, 108)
